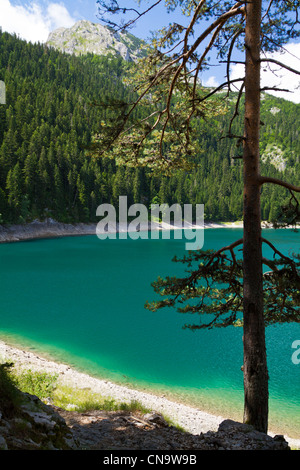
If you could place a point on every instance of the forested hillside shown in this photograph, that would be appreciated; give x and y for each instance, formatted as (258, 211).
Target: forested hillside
(49, 120)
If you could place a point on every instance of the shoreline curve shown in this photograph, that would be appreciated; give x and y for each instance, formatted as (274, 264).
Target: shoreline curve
(190, 418)
(53, 229)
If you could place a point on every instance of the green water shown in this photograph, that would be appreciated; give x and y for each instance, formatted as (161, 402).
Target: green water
(81, 301)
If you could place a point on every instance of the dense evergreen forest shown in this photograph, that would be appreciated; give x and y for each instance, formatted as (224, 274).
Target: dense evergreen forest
(49, 120)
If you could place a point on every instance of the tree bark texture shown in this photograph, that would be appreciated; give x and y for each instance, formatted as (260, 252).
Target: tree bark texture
(255, 362)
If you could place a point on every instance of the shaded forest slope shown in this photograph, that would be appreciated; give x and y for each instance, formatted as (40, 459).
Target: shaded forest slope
(49, 119)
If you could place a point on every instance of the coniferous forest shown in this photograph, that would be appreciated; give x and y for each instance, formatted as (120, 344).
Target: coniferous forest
(50, 117)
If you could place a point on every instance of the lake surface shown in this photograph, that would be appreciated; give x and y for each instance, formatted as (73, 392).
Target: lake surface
(81, 301)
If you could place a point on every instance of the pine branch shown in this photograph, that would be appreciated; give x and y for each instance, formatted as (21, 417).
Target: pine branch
(274, 61)
(268, 179)
(114, 8)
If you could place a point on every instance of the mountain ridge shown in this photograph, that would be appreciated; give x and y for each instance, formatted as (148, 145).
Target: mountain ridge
(86, 37)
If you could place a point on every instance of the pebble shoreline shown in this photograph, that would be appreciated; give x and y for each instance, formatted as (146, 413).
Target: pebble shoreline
(194, 421)
(191, 419)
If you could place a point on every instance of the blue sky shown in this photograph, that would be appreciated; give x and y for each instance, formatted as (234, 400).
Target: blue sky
(34, 19)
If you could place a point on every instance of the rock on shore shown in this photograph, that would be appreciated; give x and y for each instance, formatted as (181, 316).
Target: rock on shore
(32, 425)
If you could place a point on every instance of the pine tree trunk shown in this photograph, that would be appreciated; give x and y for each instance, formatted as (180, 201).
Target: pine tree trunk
(255, 363)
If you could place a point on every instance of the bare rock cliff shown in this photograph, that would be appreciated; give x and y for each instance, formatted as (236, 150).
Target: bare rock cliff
(86, 37)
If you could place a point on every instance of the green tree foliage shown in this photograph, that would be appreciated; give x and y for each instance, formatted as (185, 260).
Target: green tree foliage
(212, 288)
(219, 283)
(50, 119)
(45, 127)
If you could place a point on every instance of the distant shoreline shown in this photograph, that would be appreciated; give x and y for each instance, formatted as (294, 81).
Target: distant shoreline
(52, 229)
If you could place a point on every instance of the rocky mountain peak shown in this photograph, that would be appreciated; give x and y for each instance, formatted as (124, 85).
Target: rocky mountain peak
(87, 37)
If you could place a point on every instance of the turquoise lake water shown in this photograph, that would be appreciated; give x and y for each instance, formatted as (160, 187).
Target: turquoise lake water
(81, 300)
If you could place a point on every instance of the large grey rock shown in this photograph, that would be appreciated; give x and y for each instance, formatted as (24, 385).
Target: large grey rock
(35, 426)
(235, 435)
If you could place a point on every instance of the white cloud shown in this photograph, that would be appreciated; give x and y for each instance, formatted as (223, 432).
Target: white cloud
(59, 16)
(275, 76)
(211, 82)
(33, 22)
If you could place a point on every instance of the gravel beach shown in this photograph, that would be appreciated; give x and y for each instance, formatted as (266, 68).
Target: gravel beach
(191, 419)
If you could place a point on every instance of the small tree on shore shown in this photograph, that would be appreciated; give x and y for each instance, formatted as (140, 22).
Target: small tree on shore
(230, 289)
